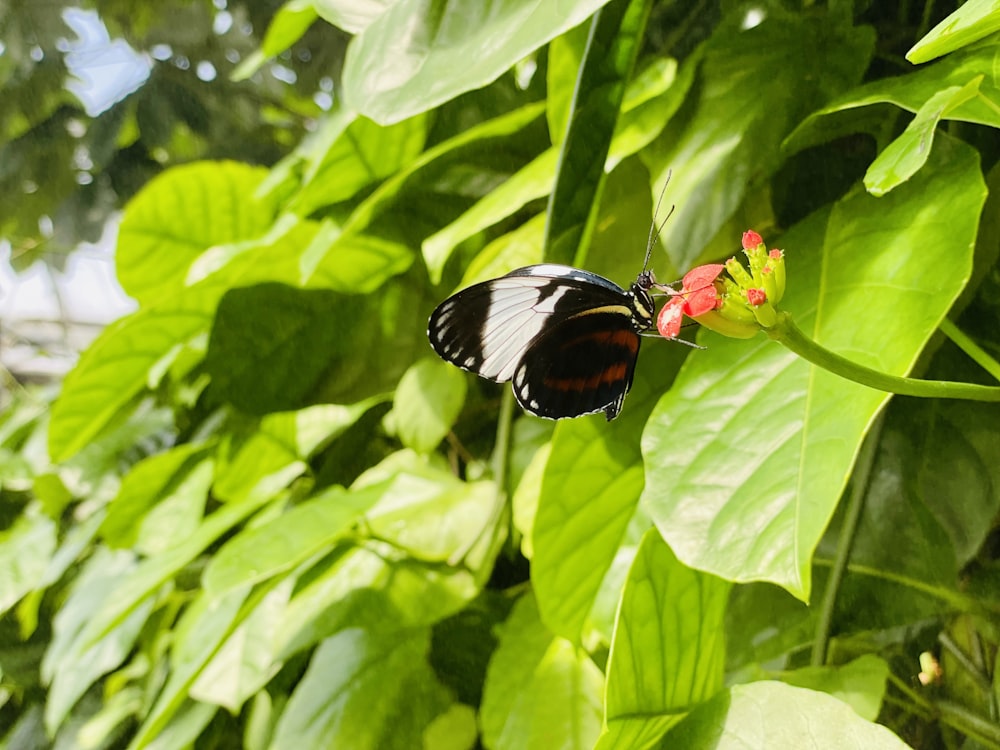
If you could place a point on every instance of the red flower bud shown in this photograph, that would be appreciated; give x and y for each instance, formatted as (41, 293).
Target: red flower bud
(751, 239)
(756, 297)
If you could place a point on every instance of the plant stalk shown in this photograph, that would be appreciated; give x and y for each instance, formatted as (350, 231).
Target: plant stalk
(786, 332)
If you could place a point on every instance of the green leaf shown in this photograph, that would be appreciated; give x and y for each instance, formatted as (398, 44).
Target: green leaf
(421, 53)
(523, 643)
(612, 47)
(352, 263)
(245, 661)
(353, 16)
(135, 352)
(772, 714)
(274, 347)
(668, 648)
(264, 463)
(258, 553)
(484, 137)
(338, 162)
(565, 55)
(199, 634)
(909, 152)
(181, 214)
(25, 550)
(913, 90)
(728, 140)
(748, 453)
(971, 22)
(287, 27)
(363, 690)
(373, 587)
(428, 512)
(150, 481)
(590, 494)
(860, 683)
(428, 400)
(74, 660)
(645, 109)
(540, 691)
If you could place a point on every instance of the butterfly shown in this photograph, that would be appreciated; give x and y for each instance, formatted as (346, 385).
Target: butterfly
(568, 339)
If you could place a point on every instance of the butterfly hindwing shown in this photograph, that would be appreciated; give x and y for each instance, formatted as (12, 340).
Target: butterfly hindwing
(582, 365)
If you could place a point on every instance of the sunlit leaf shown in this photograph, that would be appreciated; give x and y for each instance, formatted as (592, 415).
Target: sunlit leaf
(541, 692)
(258, 553)
(668, 648)
(749, 452)
(730, 137)
(428, 400)
(772, 714)
(860, 683)
(969, 23)
(909, 152)
(180, 215)
(419, 54)
(365, 691)
(589, 496)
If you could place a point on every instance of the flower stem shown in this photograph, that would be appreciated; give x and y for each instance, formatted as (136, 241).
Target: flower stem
(786, 332)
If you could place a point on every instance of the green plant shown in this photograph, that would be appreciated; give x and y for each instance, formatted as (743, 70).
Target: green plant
(259, 509)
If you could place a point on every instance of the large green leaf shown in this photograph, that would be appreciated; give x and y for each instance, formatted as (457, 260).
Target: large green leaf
(275, 347)
(134, 352)
(178, 216)
(749, 452)
(421, 53)
(541, 692)
(25, 550)
(260, 552)
(727, 138)
(905, 155)
(363, 690)
(612, 48)
(912, 91)
(772, 714)
(668, 648)
(860, 683)
(590, 493)
(969, 23)
(645, 109)
(75, 660)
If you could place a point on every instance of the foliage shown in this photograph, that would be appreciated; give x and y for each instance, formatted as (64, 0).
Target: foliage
(258, 512)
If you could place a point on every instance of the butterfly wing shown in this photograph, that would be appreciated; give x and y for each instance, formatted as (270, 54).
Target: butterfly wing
(489, 327)
(582, 365)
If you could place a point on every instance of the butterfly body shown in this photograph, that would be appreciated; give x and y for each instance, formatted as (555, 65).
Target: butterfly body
(568, 339)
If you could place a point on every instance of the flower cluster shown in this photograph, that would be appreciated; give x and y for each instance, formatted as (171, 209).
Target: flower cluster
(737, 304)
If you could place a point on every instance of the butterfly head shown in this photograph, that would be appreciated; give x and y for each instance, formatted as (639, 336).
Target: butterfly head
(643, 307)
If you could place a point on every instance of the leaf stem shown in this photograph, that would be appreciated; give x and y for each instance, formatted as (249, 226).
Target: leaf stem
(979, 355)
(845, 541)
(786, 332)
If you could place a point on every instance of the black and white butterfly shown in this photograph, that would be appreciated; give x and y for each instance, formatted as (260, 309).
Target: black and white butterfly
(568, 339)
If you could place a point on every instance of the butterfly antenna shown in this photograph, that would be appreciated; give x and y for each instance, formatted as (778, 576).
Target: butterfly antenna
(654, 230)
